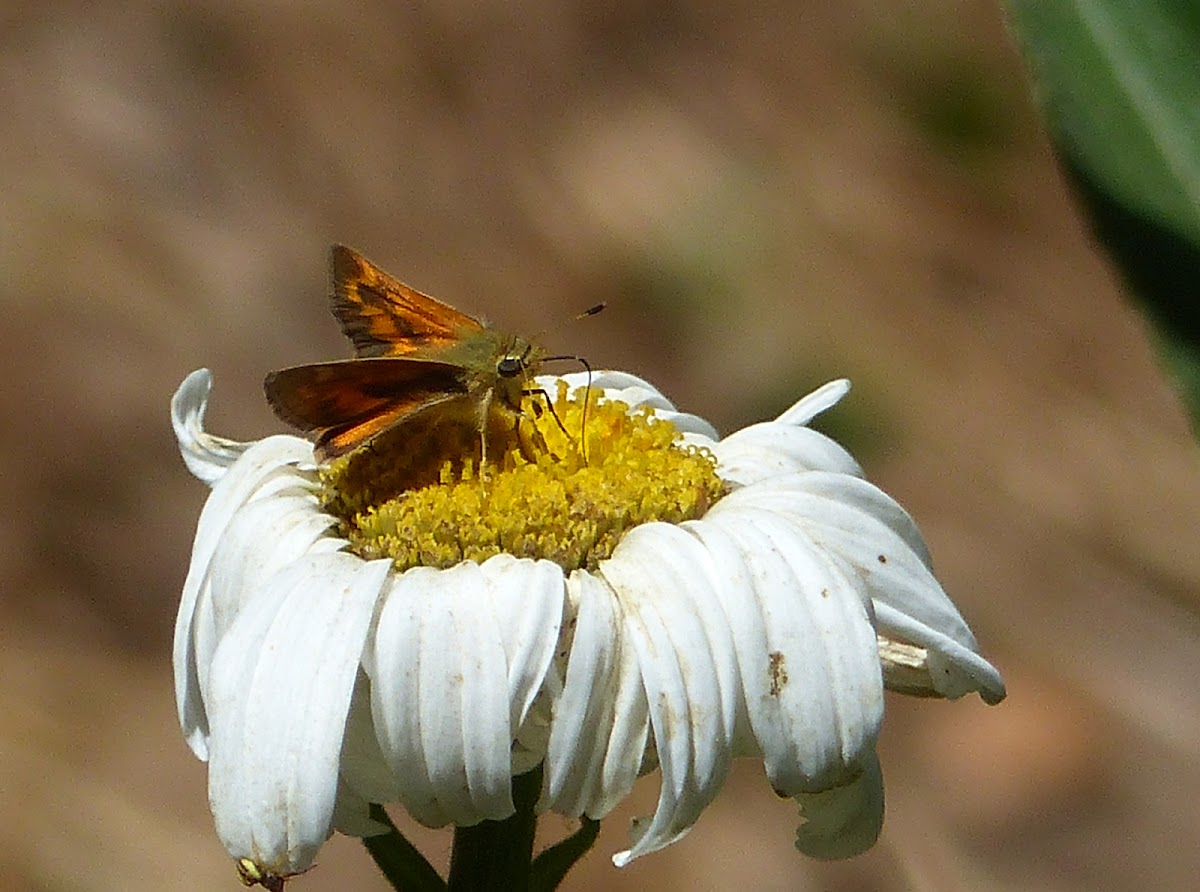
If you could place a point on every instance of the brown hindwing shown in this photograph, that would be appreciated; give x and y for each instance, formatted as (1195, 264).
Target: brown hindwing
(344, 404)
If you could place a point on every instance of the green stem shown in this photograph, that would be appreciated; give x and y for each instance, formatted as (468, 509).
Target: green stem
(399, 860)
(498, 854)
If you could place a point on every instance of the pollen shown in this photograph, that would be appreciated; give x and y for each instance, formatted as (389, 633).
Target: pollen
(562, 482)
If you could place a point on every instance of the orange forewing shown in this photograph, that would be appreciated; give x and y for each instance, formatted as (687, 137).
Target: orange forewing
(384, 317)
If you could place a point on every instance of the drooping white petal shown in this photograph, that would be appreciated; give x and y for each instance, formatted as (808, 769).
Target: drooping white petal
(601, 719)
(208, 457)
(676, 624)
(529, 599)
(870, 531)
(281, 684)
(266, 468)
(806, 646)
(845, 820)
(457, 659)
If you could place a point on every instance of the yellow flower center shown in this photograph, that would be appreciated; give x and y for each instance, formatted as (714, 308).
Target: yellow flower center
(557, 485)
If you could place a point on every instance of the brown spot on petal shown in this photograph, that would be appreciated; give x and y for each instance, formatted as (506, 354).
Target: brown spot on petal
(779, 676)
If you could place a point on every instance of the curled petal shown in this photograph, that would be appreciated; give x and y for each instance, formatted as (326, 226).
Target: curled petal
(946, 668)
(872, 533)
(208, 457)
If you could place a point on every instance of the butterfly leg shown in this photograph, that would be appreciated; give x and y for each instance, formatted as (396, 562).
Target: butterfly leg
(580, 444)
(485, 414)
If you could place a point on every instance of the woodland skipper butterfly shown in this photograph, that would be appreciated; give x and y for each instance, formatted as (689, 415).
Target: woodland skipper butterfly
(418, 359)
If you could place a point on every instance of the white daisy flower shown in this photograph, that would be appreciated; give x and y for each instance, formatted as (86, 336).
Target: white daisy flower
(676, 601)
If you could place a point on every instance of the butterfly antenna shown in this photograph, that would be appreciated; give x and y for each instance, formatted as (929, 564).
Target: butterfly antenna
(587, 393)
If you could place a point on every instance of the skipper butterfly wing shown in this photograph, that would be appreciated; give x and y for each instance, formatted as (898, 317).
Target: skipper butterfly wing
(342, 405)
(384, 317)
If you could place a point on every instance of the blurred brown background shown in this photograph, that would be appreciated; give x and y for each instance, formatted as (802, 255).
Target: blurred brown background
(769, 195)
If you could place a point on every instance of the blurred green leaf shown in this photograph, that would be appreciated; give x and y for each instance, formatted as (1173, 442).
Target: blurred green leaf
(1119, 81)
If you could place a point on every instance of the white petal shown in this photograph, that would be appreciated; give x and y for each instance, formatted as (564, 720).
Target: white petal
(695, 430)
(208, 457)
(601, 718)
(529, 600)
(281, 686)
(676, 624)
(265, 468)
(820, 400)
(264, 536)
(843, 821)
(457, 659)
(766, 451)
(809, 662)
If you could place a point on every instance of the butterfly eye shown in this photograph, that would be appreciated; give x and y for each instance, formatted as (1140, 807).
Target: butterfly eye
(510, 366)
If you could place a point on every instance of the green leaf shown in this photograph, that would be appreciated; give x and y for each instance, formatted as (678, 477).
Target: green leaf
(1120, 80)
(1120, 84)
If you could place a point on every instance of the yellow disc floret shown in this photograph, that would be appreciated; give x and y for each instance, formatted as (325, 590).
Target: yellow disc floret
(561, 483)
